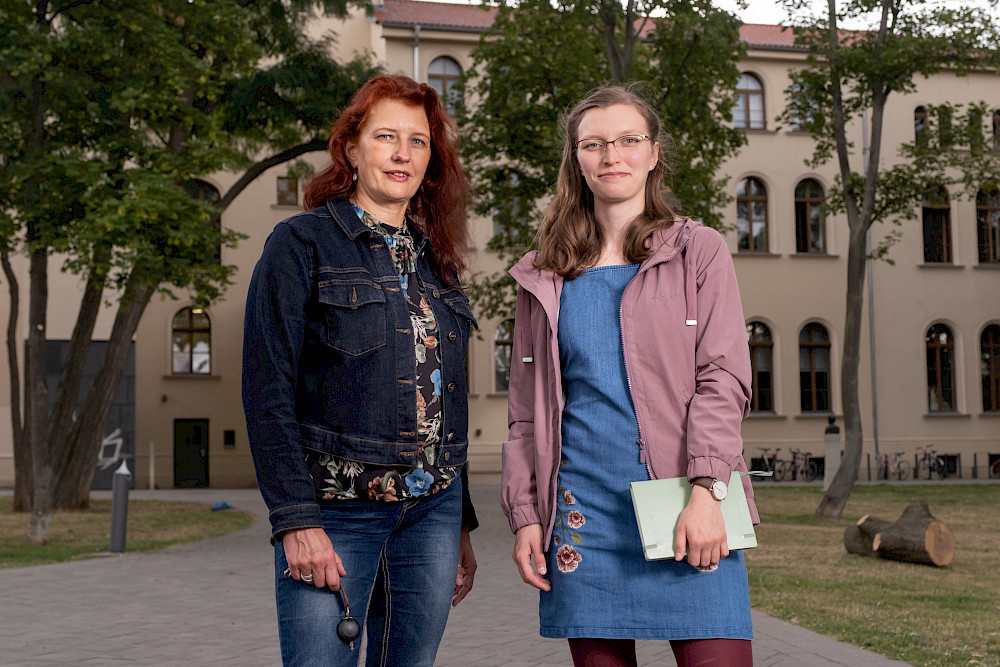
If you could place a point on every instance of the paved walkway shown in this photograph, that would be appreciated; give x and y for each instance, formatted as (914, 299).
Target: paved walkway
(210, 603)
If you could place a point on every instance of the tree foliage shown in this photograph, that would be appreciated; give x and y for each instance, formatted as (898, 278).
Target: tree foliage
(540, 58)
(109, 109)
(851, 73)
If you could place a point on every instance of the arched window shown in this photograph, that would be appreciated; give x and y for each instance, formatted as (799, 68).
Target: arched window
(749, 110)
(751, 215)
(761, 365)
(940, 369)
(988, 226)
(810, 225)
(920, 124)
(191, 338)
(442, 75)
(206, 192)
(503, 345)
(814, 368)
(989, 358)
(937, 226)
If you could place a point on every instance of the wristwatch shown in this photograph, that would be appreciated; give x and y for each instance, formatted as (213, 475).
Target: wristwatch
(716, 487)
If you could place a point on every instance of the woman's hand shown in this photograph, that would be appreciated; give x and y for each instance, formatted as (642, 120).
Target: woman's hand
(466, 568)
(701, 531)
(309, 552)
(528, 543)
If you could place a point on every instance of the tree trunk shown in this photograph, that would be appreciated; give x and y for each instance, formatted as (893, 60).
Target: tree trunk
(835, 498)
(37, 403)
(917, 537)
(77, 463)
(22, 451)
(858, 538)
(62, 415)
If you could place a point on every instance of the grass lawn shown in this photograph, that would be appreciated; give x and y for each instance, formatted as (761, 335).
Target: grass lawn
(919, 614)
(152, 524)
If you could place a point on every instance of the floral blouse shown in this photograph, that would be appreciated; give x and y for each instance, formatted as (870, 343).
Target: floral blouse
(337, 478)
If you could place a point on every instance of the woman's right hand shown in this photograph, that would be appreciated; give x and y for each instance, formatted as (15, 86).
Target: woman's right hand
(309, 551)
(528, 543)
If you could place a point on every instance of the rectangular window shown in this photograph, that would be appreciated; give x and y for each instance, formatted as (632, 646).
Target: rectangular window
(937, 245)
(288, 191)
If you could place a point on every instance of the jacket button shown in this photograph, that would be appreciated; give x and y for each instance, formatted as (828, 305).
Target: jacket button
(436, 294)
(452, 335)
(451, 436)
(451, 387)
(447, 456)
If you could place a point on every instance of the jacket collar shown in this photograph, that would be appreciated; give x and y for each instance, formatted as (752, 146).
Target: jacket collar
(342, 212)
(668, 243)
(546, 285)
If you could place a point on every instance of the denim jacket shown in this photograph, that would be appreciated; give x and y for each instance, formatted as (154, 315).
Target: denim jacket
(329, 362)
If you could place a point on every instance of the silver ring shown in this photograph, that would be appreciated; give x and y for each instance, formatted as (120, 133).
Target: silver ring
(308, 578)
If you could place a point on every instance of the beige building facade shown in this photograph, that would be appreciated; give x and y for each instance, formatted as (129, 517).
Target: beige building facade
(937, 310)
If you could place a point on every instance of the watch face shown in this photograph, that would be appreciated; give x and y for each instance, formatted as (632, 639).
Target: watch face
(719, 489)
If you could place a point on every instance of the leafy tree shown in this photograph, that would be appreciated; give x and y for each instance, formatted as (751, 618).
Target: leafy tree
(109, 110)
(539, 58)
(851, 73)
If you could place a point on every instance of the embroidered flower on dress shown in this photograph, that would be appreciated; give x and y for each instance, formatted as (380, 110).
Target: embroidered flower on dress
(436, 379)
(430, 342)
(568, 558)
(419, 481)
(575, 519)
(568, 498)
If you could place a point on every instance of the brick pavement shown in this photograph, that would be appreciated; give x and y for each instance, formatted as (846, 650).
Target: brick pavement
(211, 603)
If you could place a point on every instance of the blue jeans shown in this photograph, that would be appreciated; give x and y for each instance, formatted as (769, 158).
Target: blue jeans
(401, 561)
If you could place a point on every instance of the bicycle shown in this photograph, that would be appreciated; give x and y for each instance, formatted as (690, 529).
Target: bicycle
(802, 466)
(773, 465)
(898, 468)
(931, 464)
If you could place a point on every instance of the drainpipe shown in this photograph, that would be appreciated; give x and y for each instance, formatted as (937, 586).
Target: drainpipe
(416, 52)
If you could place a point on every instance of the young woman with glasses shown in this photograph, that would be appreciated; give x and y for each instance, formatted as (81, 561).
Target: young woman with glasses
(630, 362)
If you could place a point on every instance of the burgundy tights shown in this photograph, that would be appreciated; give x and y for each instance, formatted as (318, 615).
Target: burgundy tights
(690, 653)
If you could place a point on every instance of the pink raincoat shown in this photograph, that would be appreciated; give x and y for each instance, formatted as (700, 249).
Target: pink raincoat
(686, 359)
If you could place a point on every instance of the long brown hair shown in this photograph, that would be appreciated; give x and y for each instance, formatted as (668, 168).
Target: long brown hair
(440, 206)
(570, 239)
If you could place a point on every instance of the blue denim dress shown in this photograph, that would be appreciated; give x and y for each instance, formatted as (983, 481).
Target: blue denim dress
(602, 586)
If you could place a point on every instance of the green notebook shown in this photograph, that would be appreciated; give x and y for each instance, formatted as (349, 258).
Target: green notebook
(658, 504)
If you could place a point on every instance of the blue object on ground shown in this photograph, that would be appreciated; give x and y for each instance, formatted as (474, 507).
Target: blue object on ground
(221, 505)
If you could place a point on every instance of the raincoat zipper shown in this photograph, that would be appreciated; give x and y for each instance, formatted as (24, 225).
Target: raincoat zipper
(643, 454)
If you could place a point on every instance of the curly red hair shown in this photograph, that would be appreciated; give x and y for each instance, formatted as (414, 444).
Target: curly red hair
(440, 206)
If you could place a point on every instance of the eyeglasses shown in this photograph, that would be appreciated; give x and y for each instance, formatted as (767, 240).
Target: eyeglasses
(625, 145)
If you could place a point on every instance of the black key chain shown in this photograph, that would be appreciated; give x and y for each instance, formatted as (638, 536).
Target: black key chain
(348, 629)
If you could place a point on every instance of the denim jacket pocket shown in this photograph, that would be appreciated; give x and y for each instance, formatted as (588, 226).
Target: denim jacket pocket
(355, 312)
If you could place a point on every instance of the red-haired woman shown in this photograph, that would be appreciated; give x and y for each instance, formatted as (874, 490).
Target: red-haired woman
(354, 387)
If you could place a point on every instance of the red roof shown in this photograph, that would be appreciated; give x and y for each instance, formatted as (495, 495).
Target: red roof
(767, 36)
(428, 14)
(475, 17)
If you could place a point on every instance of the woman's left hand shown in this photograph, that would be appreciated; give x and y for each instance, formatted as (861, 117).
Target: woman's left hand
(701, 531)
(466, 568)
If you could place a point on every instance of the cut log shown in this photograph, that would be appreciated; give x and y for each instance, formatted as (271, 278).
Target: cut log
(858, 538)
(917, 537)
